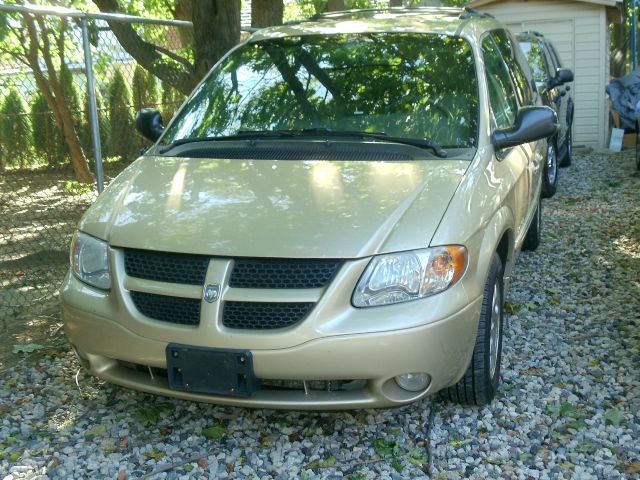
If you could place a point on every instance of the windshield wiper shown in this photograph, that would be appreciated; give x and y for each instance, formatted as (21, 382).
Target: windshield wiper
(323, 132)
(241, 135)
(416, 142)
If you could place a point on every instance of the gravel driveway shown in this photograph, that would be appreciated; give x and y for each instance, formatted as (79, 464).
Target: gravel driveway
(569, 405)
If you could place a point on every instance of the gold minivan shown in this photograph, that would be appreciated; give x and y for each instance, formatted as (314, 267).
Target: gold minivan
(329, 221)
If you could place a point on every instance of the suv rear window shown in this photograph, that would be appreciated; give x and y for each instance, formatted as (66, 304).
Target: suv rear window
(406, 85)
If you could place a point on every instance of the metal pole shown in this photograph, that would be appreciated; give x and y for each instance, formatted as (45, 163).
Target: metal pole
(634, 35)
(93, 107)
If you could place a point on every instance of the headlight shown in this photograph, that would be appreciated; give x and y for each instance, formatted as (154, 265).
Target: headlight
(90, 261)
(401, 277)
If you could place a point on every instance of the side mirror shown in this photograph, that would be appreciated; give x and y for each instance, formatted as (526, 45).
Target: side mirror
(149, 123)
(563, 75)
(532, 123)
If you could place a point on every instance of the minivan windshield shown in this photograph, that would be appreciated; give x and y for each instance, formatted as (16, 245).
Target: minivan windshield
(404, 85)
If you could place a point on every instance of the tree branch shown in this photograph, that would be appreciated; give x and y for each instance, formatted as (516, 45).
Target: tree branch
(180, 75)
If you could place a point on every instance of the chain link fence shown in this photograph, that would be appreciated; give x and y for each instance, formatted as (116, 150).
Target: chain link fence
(40, 199)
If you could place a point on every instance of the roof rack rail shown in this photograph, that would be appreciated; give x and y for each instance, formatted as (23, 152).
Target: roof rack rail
(416, 8)
(533, 32)
(469, 12)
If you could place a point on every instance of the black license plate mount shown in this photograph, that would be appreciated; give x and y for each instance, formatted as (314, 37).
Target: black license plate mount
(214, 371)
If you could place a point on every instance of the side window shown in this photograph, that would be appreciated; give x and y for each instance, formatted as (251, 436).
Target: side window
(554, 54)
(502, 94)
(520, 79)
(535, 57)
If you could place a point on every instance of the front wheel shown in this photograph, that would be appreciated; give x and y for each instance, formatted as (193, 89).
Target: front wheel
(482, 378)
(550, 171)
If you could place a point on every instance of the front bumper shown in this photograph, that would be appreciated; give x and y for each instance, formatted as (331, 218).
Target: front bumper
(440, 348)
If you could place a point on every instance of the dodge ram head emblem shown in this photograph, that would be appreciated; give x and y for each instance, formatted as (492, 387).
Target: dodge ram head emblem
(211, 293)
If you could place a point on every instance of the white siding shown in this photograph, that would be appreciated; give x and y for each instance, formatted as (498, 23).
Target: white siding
(579, 33)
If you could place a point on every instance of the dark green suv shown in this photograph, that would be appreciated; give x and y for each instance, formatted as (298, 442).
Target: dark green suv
(551, 80)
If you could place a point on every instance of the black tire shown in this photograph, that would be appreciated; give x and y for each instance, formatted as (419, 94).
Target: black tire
(550, 171)
(534, 234)
(480, 382)
(565, 161)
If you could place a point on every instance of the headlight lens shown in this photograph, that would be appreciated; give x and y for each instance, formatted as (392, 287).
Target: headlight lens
(90, 261)
(401, 277)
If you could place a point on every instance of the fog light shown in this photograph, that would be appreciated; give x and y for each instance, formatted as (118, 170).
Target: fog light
(413, 382)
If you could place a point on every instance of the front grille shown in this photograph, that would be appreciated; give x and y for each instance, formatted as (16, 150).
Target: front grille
(182, 311)
(166, 267)
(313, 385)
(262, 315)
(282, 273)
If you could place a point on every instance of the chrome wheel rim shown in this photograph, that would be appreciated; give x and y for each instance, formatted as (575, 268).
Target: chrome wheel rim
(494, 334)
(552, 161)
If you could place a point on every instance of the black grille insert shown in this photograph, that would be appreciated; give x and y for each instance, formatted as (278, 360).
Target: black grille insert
(183, 311)
(297, 150)
(282, 273)
(263, 315)
(166, 267)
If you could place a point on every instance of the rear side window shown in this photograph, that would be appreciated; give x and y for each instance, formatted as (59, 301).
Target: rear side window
(519, 78)
(535, 56)
(502, 94)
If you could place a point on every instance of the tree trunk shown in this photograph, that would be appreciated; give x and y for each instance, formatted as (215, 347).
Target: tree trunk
(221, 17)
(335, 5)
(52, 92)
(266, 13)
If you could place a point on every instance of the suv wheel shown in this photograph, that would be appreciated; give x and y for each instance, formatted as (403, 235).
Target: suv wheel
(482, 378)
(550, 171)
(534, 234)
(568, 150)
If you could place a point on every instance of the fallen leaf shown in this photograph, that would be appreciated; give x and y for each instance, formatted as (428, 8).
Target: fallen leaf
(613, 417)
(122, 475)
(97, 431)
(386, 448)
(329, 462)
(203, 463)
(229, 467)
(155, 453)
(312, 465)
(632, 468)
(294, 437)
(147, 416)
(214, 432)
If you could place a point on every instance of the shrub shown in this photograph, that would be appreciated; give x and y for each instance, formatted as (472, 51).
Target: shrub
(120, 117)
(103, 127)
(171, 101)
(144, 89)
(15, 131)
(47, 138)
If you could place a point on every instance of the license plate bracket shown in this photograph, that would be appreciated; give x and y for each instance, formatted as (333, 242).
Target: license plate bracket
(215, 371)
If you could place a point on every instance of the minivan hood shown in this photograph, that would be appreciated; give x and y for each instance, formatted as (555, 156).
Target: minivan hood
(275, 208)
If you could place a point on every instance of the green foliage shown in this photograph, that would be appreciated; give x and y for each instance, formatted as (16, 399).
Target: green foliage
(73, 187)
(48, 142)
(120, 117)
(613, 417)
(15, 131)
(144, 89)
(149, 415)
(214, 432)
(171, 101)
